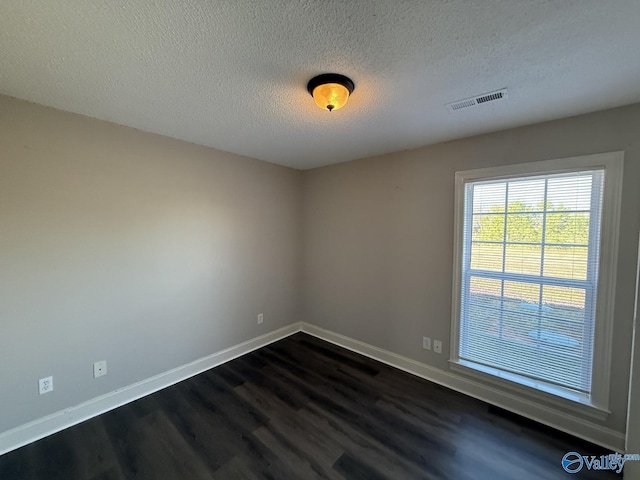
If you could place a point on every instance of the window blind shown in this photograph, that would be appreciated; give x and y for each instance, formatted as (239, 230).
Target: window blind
(529, 276)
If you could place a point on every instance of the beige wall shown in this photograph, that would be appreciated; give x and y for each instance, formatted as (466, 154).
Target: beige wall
(133, 248)
(378, 235)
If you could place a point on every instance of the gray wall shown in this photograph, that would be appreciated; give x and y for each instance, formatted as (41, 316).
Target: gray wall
(378, 235)
(632, 469)
(150, 252)
(133, 248)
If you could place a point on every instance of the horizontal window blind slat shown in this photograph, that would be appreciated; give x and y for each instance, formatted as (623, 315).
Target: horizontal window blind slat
(538, 244)
(520, 277)
(480, 212)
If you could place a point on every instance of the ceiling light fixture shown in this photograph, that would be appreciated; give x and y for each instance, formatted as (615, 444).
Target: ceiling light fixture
(330, 90)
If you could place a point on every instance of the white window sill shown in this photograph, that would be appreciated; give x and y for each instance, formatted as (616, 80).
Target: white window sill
(532, 390)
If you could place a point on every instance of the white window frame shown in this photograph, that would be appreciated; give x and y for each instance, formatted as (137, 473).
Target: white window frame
(595, 405)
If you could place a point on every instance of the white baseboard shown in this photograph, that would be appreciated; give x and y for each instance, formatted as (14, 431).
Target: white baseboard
(42, 427)
(571, 424)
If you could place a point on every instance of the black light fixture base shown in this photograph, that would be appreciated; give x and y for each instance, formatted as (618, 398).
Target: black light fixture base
(330, 78)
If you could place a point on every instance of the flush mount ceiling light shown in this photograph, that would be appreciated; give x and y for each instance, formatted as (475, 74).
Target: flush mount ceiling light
(330, 90)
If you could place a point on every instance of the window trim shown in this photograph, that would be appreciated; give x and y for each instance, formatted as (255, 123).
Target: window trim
(597, 405)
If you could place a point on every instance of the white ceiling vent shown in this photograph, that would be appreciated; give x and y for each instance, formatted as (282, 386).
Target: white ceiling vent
(480, 99)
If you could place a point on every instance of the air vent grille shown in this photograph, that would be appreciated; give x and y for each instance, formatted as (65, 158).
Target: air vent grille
(463, 104)
(490, 97)
(478, 100)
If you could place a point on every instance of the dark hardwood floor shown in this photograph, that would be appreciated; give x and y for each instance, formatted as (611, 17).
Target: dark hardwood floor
(301, 408)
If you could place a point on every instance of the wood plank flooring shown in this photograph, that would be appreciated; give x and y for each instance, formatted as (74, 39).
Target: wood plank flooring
(301, 408)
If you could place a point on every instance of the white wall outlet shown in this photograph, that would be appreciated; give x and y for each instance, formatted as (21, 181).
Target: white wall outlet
(437, 346)
(426, 343)
(260, 318)
(99, 369)
(46, 385)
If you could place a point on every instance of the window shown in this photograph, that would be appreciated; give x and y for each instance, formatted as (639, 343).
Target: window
(533, 285)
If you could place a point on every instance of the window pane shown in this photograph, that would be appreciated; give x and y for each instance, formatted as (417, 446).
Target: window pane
(557, 296)
(565, 262)
(486, 256)
(489, 197)
(567, 228)
(523, 259)
(486, 286)
(524, 227)
(488, 227)
(564, 314)
(570, 192)
(527, 194)
(521, 292)
(482, 318)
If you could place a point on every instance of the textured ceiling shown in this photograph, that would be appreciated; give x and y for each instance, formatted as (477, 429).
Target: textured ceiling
(232, 74)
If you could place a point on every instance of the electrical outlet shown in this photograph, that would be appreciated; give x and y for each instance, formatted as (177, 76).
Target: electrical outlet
(260, 318)
(46, 385)
(437, 346)
(99, 369)
(426, 343)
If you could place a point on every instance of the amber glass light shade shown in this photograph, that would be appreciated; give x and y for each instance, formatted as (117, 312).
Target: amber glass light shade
(331, 96)
(330, 91)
